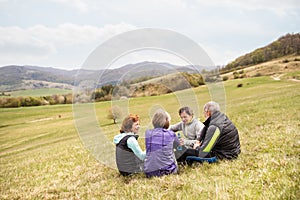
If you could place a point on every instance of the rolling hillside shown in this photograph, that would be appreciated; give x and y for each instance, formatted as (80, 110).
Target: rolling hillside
(33, 77)
(287, 67)
(279, 58)
(286, 45)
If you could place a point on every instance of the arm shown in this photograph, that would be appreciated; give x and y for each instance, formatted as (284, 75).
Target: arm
(176, 142)
(135, 147)
(176, 127)
(211, 137)
(196, 132)
(199, 127)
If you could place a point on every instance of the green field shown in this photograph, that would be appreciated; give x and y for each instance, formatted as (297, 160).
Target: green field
(38, 92)
(42, 156)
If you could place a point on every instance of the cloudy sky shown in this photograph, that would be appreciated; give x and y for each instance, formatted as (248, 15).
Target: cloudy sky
(63, 33)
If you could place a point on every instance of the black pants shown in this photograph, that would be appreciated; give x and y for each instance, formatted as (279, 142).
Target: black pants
(181, 155)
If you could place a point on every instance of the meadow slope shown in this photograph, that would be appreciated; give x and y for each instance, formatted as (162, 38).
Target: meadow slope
(42, 156)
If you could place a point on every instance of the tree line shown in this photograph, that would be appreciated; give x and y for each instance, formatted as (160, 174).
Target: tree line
(104, 93)
(288, 44)
(13, 102)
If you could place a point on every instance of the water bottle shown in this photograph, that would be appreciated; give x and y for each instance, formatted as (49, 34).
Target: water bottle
(179, 148)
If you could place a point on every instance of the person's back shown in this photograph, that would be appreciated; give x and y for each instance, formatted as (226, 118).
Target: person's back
(160, 159)
(159, 150)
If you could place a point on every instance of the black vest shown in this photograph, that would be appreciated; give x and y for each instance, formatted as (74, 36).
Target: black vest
(127, 162)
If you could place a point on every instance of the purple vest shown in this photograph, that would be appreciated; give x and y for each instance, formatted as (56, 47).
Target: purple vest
(160, 158)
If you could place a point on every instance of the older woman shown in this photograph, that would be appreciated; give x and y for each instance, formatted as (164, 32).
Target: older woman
(160, 159)
(129, 155)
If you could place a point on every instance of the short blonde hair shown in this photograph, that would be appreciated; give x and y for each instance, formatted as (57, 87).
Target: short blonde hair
(161, 119)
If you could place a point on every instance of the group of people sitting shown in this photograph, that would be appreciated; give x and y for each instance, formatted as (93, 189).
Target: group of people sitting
(216, 137)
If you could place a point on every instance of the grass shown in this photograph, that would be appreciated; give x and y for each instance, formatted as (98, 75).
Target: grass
(42, 156)
(37, 92)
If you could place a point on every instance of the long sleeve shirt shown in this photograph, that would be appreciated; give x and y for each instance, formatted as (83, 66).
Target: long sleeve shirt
(191, 131)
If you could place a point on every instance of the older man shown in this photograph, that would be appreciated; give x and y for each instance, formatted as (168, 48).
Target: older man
(219, 138)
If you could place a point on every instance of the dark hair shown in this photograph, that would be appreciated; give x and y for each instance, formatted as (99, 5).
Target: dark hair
(187, 110)
(128, 122)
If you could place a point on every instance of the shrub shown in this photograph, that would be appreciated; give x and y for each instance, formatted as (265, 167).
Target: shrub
(285, 61)
(257, 74)
(225, 78)
(236, 75)
(297, 59)
(114, 113)
(12, 103)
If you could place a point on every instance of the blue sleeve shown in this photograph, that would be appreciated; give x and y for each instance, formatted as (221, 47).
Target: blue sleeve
(135, 147)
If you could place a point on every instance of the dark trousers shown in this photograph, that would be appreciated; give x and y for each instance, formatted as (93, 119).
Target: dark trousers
(182, 154)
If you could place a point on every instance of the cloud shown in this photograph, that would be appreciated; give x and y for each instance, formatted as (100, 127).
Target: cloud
(73, 34)
(40, 42)
(18, 43)
(280, 8)
(80, 5)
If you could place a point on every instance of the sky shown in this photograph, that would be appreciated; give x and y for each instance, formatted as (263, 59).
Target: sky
(63, 33)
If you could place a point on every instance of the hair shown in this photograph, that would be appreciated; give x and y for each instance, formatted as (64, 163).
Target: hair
(128, 122)
(161, 119)
(187, 110)
(211, 106)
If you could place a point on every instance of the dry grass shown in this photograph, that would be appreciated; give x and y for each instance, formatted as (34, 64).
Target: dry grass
(276, 68)
(45, 159)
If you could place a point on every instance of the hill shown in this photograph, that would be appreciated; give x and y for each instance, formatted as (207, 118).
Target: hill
(287, 67)
(281, 56)
(286, 45)
(33, 77)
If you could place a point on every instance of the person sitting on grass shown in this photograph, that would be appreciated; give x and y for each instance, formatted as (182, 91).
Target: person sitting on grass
(191, 129)
(219, 138)
(129, 155)
(160, 159)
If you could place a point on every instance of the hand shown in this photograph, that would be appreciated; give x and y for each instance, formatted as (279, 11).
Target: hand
(181, 141)
(197, 144)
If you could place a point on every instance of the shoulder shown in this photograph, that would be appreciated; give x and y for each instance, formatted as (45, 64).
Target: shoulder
(168, 131)
(196, 122)
(177, 124)
(176, 127)
(131, 139)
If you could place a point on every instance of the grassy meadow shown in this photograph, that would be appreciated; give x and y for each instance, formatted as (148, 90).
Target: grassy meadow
(42, 156)
(38, 92)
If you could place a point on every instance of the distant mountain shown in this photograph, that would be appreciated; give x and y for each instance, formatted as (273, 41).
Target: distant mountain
(288, 44)
(31, 77)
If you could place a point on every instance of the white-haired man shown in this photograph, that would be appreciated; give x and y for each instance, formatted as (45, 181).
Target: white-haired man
(219, 138)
